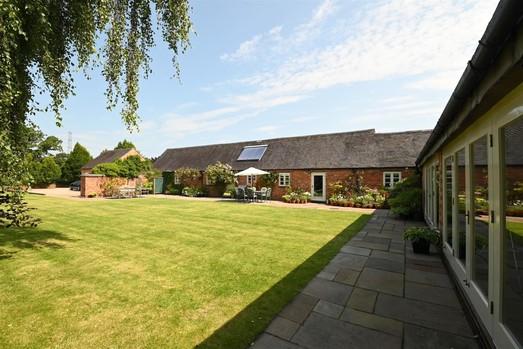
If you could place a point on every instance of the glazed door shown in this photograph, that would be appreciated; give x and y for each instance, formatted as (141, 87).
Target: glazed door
(482, 226)
(318, 192)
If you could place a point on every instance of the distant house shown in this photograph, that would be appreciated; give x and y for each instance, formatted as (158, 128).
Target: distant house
(473, 180)
(108, 157)
(90, 183)
(310, 162)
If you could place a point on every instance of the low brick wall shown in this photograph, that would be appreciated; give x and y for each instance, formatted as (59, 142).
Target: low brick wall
(90, 184)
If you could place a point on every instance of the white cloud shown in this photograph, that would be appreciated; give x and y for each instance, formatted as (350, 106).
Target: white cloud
(398, 99)
(246, 51)
(405, 106)
(306, 119)
(312, 29)
(394, 39)
(267, 129)
(381, 41)
(445, 81)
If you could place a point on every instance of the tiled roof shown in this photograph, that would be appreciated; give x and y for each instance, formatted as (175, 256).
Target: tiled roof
(105, 157)
(360, 149)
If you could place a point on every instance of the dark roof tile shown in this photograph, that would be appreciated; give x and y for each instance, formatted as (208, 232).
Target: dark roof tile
(105, 157)
(360, 149)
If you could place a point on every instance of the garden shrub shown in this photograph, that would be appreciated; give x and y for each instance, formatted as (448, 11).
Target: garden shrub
(109, 185)
(220, 175)
(406, 197)
(188, 177)
(267, 180)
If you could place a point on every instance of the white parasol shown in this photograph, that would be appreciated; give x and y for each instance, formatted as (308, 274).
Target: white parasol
(251, 171)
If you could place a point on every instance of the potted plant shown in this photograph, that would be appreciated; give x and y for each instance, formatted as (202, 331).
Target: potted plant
(421, 238)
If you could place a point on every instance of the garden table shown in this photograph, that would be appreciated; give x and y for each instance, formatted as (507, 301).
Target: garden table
(126, 192)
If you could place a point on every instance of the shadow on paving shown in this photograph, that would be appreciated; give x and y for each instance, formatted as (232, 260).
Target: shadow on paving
(14, 240)
(242, 330)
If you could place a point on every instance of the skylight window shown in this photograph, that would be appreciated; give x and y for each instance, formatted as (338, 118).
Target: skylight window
(252, 153)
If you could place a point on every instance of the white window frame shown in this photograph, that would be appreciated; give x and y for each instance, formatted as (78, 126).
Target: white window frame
(391, 180)
(284, 179)
(251, 179)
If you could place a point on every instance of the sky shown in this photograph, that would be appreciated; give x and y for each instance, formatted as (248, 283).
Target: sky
(261, 69)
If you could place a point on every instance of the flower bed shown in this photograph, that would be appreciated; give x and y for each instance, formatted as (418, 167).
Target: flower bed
(370, 198)
(296, 196)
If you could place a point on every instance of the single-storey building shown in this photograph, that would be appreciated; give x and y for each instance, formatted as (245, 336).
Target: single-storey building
(310, 162)
(108, 156)
(91, 183)
(472, 168)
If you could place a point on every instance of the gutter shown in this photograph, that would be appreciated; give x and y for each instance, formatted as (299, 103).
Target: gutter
(497, 36)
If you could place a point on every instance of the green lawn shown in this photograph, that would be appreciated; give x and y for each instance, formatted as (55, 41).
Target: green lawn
(517, 229)
(155, 272)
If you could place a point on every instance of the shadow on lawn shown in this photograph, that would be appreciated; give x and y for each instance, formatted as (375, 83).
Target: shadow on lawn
(14, 240)
(247, 325)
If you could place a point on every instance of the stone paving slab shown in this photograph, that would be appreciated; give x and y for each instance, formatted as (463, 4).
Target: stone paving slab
(283, 328)
(427, 277)
(375, 293)
(322, 332)
(381, 281)
(372, 245)
(348, 260)
(327, 275)
(387, 235)
(359, 236)
(431, 294)
(440, 268)
(356, 250)
(347, 276)
(377, 240)
(388, 255)
(333, 292)
(387, 265)
(299, 308)
(375, 322)
(267, 341)
(329, 309)
(424, 314)
(417, 337)
(362, 299)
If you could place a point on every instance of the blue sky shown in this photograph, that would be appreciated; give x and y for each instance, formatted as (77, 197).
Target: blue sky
(281, 68)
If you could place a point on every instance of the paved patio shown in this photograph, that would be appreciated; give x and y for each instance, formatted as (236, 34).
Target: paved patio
(376, 293)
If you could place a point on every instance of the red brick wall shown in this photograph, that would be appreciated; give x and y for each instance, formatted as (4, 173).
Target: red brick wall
(90, 183)
(372, 178)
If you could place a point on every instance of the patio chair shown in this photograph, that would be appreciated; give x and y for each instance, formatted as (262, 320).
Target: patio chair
(263, 195)
(251, 194)
(268, 194)
(240, 194)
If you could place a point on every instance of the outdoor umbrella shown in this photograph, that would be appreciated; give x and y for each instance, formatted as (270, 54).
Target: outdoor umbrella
(251, 171)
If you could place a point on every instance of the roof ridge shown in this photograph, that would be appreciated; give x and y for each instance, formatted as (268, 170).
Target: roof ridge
(262, 141)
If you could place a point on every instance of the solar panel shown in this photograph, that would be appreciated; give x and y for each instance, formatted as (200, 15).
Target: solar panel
(252, 153)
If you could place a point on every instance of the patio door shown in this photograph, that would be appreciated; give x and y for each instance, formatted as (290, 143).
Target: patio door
(483, 230)
(318, 192)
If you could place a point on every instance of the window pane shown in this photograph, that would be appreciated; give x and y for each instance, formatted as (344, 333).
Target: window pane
(480, 228)
(512, 315)
(462, 218)
(448, 199)
(284, 179)
(252, 153)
